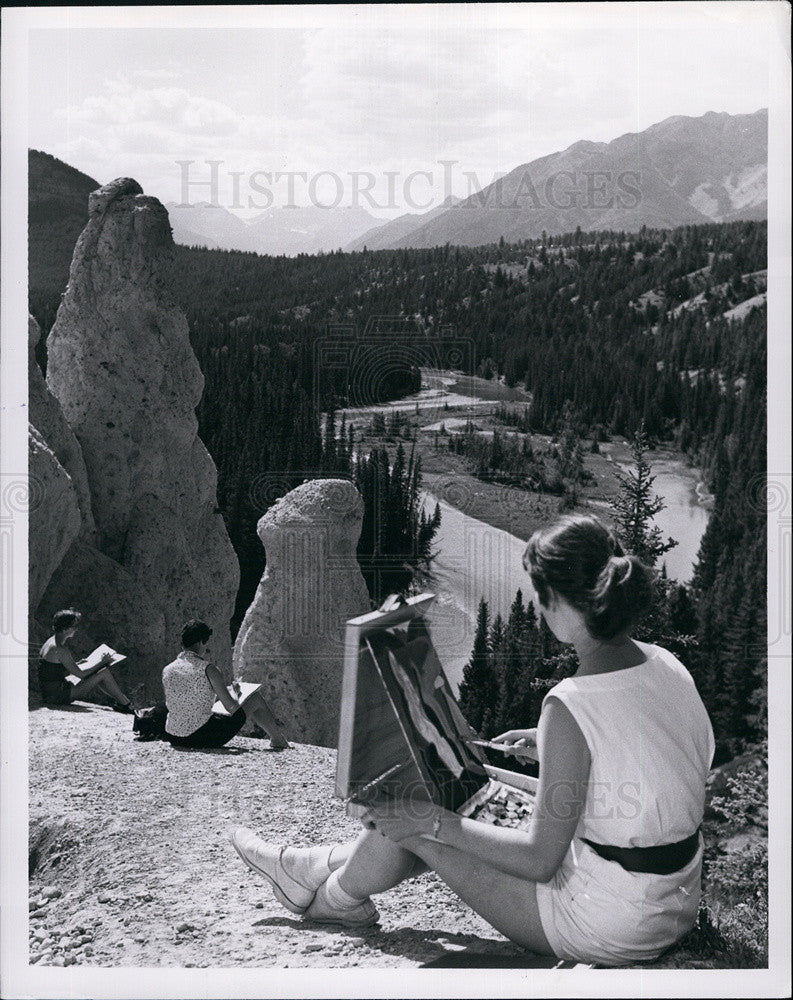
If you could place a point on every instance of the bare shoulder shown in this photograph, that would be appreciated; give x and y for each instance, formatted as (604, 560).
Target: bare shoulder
(52, 651)
(560, 729)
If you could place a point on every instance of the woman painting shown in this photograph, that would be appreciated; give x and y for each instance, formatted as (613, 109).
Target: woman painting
(192, 685)
(57, 662)
(609, 871)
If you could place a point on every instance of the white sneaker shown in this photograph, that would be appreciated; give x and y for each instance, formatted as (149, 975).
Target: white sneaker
(265, 859)
(322, 911)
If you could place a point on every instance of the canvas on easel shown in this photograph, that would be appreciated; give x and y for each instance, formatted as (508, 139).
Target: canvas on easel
(401, 733)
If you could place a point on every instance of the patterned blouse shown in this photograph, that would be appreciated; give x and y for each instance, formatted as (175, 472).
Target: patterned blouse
(189, 696)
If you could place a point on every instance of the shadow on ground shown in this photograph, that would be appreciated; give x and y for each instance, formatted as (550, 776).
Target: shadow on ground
(439, 949)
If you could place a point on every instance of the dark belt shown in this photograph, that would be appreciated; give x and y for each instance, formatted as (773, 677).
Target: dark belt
(661, 860)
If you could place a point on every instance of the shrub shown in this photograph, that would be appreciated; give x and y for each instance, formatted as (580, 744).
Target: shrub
(746, 800)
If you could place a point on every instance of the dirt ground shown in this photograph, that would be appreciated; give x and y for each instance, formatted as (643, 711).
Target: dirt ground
(132, 864)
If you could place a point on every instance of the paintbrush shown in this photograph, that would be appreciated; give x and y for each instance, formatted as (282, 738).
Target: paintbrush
(363, 791)
(530, 753)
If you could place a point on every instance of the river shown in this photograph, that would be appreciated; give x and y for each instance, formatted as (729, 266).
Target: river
(475, 560)
(685, 515)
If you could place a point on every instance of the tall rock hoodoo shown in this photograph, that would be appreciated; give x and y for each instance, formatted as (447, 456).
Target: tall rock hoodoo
(153, 550)
(65, 567)
(292, 637)
(53, 515)
(46, 415)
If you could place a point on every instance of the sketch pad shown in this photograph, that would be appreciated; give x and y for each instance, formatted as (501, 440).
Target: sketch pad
(91, 664)
(245, 688)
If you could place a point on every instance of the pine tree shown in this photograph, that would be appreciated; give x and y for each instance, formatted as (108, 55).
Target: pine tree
(479, 687)
(396, 533)
(635, 507)
(682, 610)
(528, 698)
(512, 661)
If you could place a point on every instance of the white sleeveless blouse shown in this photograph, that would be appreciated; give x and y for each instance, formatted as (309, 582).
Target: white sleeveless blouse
(651, 744)
(189, 696)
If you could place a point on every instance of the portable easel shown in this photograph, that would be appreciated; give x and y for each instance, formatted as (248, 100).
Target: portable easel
(401, 732)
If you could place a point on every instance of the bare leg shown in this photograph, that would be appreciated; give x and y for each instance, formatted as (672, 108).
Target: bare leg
(257, 709)
(374, 864)
(507, 903)
(111, 686)
(104, 679)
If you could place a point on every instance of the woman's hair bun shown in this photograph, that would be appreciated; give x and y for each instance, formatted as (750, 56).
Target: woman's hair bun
(581, 559)
(623, 567)
(65, 618)
(622, 593)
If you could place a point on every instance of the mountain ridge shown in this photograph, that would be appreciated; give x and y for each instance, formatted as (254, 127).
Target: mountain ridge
(380, 236)
(667, 159)
(682, 170)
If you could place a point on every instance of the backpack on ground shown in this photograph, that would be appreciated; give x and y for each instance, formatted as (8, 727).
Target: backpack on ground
(149, 723)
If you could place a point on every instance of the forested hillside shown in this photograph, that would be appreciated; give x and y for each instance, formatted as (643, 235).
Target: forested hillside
(662, 328)
(608, 325)
(57, 213)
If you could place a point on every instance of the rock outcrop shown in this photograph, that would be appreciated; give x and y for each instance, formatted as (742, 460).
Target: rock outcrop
(153, 549)
(46, 415)
(117, 610)
(54, 519)
(292, 637)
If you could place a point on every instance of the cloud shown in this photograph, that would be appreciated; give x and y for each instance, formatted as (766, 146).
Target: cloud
(172, 107)
(380, 94)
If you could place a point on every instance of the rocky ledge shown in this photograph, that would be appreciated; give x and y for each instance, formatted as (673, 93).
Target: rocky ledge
(132, 865)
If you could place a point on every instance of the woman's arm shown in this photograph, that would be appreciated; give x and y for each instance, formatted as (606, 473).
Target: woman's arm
(515, 739)
(561, 793)
(216, 680)
(67, 660)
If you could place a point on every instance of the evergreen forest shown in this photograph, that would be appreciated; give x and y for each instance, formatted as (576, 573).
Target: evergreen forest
(641, 335)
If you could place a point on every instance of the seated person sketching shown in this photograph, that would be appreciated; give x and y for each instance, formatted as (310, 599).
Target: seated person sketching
(57, 662)
(192, 685)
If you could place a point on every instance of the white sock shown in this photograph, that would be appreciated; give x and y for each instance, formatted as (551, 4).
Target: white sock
(337, 896)
(308, 865)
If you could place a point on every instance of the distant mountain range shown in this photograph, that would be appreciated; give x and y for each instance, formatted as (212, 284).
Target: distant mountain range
(384, 236)
(289, 231)
(680, 171)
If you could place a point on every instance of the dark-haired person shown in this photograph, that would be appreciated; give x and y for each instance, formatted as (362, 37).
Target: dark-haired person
(57, 662)
(609, 871)
(192, 685)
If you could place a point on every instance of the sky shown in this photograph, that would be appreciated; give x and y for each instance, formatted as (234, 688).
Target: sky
(417, 102)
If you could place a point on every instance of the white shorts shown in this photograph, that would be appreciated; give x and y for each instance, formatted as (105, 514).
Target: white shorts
(593, 910)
